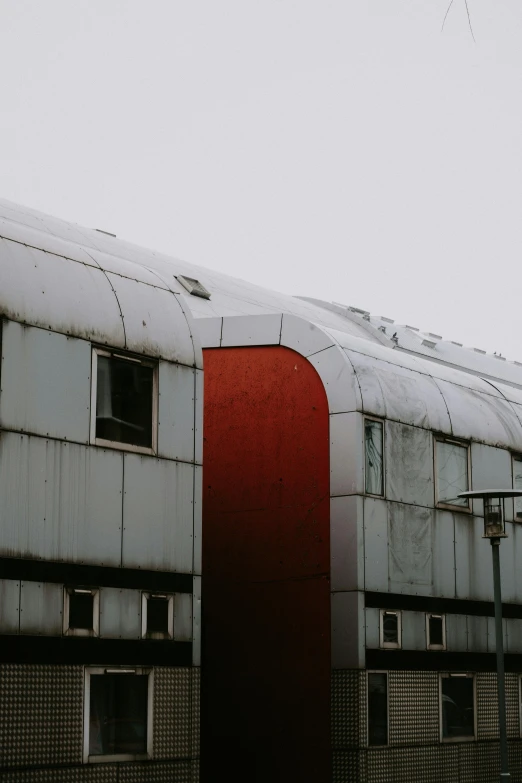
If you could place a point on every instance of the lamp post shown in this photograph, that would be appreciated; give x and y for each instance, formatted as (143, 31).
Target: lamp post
(494, 529)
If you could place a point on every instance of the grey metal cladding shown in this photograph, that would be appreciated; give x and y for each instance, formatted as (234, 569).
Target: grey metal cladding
(413, 631)
(41, 608)
(409, 457)
(176, 412)
(347, 630)
(457, 632)
(410, 547)
(9, 606)
(183, 617)
(41, 715)
(376, 545)
(491, 467)
(173, 712)
(45, 383)
(60, 501)
(120, 613)
(56, 293)
(346, 543)
(158, 514)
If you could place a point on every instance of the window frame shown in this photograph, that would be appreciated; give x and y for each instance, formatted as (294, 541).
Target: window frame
(386, 672)
(454, 442)
(429, 645)
(468, 675)
(146, 362)
(515, 458)
(390, 645)
(96, 670)
(383, 483)
(144, 606)
(95, 630)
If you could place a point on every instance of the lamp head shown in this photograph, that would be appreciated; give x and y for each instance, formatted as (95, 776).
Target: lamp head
(494, 517)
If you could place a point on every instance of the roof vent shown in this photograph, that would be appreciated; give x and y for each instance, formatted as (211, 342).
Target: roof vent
(193, 286)
(107, 233)
(365, 313)
(386, 320)
(429, 343)
(415, 328)
(455, 343)
(479, 350)
(436, 336)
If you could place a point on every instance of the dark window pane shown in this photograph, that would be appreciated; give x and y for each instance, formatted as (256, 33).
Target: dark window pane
(81, 608)
(435, 631)
(157, 615)
(457, 707)
(118, 717)
(377, 709)
(124, 401)
(390, 628)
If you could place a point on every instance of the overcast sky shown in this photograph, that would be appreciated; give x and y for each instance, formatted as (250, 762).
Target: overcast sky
(342, 149)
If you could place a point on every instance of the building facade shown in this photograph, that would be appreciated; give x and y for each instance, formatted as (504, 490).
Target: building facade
(100, 519)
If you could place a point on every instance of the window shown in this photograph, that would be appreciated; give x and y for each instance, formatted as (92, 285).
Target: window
(193, 286)
(157, 616)
(457, 706)
(373, 462)
(118, 714)
(452, 473)
(377, 708)
(81, 611)
(124, 402)
(517, 484)
(435, 632)
(390, 630)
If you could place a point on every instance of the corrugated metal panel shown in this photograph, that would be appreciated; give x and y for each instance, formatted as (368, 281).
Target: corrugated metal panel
(60, 501)
(9, 606)
(120, 613)
(183, 617)
(52, 292)
(155, 324)
(158, 514)
(41, 608)
(46, 383)
(176, 412)
(409, 459)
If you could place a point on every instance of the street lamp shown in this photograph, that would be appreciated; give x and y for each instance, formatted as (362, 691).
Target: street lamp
(495, 529)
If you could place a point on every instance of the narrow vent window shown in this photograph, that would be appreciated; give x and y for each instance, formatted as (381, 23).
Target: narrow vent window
(373, 443)
(193, 286)
(157, 616)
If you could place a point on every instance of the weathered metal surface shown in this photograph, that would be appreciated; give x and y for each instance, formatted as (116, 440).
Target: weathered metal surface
(456, 632)
(348, 631)
(45, 383)
(183, 617)
(372, 619)
(9, 606)
(196, 622)
(59, 501)
(409, 459)
(375, 544)
(55, 293)
(413, 631)
(176, 412)
(340, 382)
(251, 330)
(120, 613)
(491, 467)
(41, 606)
(305, 338)
(346, 449)
(198, 520)
(158, 514)
(346, 543)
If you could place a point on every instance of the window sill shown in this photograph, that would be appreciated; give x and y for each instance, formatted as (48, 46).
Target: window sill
(458, 739)
(449, 507)
(118, 757)
(114, 444)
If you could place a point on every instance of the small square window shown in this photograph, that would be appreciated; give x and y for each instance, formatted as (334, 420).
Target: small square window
(452, 473)
(517, 484)
(435, 632)
(81, 611)
(157, 616)
(390, 630)
(118, 714)
(373, 457)
(124, 402)
(377, 708)
(457, 706)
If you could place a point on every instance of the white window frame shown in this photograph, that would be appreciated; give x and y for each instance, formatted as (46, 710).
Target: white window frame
(140, 671)
(381, 422)
(95, 630)
(464, 445)
(386, 672)
(468, 675)
(515, 458)
(390, 645)
(144, 606)
(114, 444)
(429, 645)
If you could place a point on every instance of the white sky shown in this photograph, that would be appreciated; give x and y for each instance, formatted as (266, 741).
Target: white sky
(343, 149)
